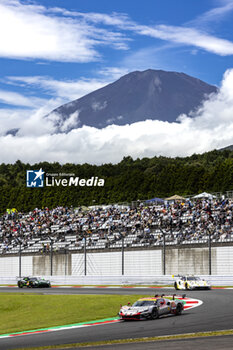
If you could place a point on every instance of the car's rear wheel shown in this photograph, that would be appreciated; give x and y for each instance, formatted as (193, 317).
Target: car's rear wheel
(154, 314)
(178, 310)
(186, 286)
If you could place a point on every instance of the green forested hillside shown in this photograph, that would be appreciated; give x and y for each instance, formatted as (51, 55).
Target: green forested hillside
(126, 181)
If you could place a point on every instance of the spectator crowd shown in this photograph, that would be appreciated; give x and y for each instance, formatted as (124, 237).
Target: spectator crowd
(190, 221)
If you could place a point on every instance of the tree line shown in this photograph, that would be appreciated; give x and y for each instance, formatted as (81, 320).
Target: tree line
(126, 181)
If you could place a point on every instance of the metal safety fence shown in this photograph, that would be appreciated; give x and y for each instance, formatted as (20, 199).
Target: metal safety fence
(205, 257)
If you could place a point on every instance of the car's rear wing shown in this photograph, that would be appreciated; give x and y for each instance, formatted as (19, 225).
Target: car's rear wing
(173, 296)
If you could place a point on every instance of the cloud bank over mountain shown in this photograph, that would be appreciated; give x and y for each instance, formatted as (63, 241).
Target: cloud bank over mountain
(210, 127)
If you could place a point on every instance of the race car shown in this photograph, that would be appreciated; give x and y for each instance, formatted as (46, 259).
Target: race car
(151, 308)
(190, 283)
(33, 282)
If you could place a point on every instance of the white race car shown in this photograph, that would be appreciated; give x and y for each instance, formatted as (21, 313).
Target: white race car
(190, 283)
(151, 308)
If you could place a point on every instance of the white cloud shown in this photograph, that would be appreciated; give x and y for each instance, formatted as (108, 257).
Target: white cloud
(31, 31)
(183, 35)
(70, 122)
(29, 121)
(211, 127)
(97, 106)
(188, 36)
(62, 91)
(10, 118)
(38, 32)
(113, 73)
(213, 15)
(55, 122)
(16, 99)
(68, 90)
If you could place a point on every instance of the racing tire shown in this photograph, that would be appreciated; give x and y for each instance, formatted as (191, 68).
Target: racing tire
(20, 285)
(154, 314)
(178, 310)
(175, 286)
(186, 286)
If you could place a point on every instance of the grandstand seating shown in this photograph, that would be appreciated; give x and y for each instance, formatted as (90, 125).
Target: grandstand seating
(190, 222)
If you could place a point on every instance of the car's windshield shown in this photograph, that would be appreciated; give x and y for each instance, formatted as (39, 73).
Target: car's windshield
(193, 278)
(143, 303)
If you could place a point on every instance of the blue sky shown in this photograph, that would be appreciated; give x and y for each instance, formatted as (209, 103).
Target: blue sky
(54, 51)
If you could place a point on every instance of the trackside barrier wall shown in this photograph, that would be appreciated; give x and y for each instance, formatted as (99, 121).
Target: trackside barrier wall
(120, 280)
(139, 263)
(131, 263)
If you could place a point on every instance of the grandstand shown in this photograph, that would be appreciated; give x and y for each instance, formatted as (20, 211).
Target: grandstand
(147, 225)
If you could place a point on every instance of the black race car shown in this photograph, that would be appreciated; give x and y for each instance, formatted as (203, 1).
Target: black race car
(33, 282)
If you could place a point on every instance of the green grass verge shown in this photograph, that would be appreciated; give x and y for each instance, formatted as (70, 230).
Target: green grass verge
(21, 312)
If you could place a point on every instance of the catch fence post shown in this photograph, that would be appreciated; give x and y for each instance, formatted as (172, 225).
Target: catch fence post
(210, 247)
(122, 257)
(51, 257)
(164, 254)
(65, 261)
(20, 257)
(164, 251)
(85, 255)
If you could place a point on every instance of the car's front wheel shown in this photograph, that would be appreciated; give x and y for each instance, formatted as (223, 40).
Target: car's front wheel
(154, 314)
(178, 310)
(175, 286)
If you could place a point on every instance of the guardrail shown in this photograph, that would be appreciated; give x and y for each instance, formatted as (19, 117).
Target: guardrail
(120, 280)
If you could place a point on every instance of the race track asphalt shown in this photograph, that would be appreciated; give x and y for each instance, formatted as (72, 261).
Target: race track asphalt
(216, 313)
(209, 343)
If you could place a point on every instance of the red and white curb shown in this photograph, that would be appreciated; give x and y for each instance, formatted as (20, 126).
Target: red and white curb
(60, 328)
(190, 303)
